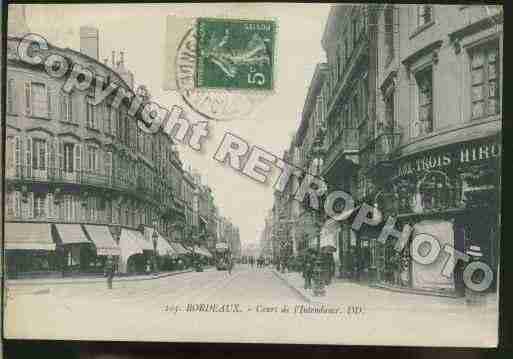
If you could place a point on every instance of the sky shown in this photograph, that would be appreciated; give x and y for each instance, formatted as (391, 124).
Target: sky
(140, 31)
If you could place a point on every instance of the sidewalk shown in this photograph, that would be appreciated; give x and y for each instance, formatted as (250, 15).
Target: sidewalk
(96, 279)
(342, 292)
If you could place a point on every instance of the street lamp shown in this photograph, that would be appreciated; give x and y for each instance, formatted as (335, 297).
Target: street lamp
(318, 153)
(155, 239)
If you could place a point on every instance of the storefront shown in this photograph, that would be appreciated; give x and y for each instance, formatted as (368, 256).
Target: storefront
(104, 245)
(30, 250)
(75, 249)
(136, 252)
(450, 193)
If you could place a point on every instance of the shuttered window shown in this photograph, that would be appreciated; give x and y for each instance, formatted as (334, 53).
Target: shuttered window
(424, 80)
(39, 104)
(484, 80)
(68, 160)
(39, 152)
(39, 205)
(11, 97)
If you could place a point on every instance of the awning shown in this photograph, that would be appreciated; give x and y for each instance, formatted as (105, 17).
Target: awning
(28, 236)
(163, 247)
(202, 251)
(71, 234)
(329, 235)
(179, 249)
(145, 245)
(103, 241)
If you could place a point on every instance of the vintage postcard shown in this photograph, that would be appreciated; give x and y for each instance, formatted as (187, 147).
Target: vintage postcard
(253, 173)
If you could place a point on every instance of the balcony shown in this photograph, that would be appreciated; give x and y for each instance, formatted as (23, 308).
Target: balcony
(347, 142)
(379, 152)
(58, 175)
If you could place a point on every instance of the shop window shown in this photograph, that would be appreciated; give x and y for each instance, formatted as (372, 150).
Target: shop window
(484, 70)
(424, 15)
(424, 124)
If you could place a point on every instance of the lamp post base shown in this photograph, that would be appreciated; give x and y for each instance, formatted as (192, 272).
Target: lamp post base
(319, 289)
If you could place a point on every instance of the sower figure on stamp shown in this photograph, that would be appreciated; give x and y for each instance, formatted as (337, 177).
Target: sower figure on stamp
(111, 270)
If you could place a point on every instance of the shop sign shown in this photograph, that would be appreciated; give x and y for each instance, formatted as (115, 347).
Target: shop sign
(462, 154)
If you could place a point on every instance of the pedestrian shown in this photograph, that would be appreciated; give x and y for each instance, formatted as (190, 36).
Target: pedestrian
(110, 269)
(308, 270)
(230, 266)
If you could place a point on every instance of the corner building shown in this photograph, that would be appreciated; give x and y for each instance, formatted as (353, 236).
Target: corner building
(426, 122)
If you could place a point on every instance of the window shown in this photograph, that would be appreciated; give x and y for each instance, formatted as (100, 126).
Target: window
(389, 112)
(389, 33)
(39, 205)
(356, 112)
(92, 159)
(485, 84)
(68, 157)
(11, 97)
(66, 107)
(91, 120)
(355, 29)
(424, 80)
(106, 118)
(68, 207)
(424, 14)
(40, 100)
(38, 154)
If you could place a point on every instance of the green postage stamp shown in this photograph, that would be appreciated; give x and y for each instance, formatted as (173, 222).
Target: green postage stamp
(235, 54)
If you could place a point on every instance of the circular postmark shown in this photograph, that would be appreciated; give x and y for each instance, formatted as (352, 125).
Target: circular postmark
(215, 104)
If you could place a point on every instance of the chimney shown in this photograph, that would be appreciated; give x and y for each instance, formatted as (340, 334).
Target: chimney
(113, 59)
(89, 41)
(122, 57)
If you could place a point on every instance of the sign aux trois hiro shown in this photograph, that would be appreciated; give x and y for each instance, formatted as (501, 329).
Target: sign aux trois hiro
(451, 156)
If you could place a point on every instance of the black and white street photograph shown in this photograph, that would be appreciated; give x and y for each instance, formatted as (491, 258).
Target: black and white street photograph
(253, 173)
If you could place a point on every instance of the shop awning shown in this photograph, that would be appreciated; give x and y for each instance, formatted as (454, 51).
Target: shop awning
(129, 246)
(103, 241)
(145, 245)
(28, 236)
(329, 235)
(179, 249)
(71, 234)
(163, 247)
(202, 251)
